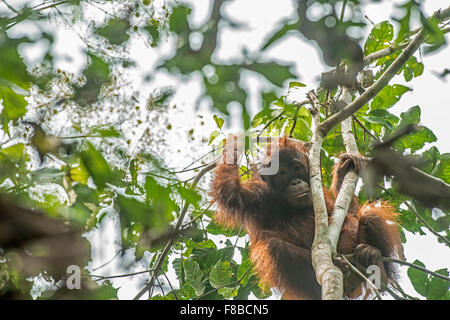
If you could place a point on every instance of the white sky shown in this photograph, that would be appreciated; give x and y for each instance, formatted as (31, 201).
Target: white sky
(430, 93)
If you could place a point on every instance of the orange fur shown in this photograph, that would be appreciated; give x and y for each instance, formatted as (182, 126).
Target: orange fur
(281, 236)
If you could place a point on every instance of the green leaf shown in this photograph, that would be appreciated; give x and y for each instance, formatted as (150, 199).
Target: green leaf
(419, 279)
(178, 267)
(194, 276)
(221, 274)
(12, 68)
(79, 173)
(273, 72)
(189, 195)
(219, 121)
(214, 134)
(411, 116)
(280, 33)
(302, 130)
(438, 287)
(47, 175)
(178, 19)
(96, 165)
(295, 84)
(416, 140)
(97, 73)
(159, 198)
(243, 269)
(217, 229)
(14, 106)
(443, 167)
(431, 157)
(153, 31)
(14, 152)
(412, 68)
(229, 292)
(379, 38)
(388, 96)
(115, 31)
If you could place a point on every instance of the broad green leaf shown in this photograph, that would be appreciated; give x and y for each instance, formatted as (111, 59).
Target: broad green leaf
(214, 134)
(443, 167)
(219, 121)
(388, 96)
(221, 274)
(178, 21)
(79, 173)
(302, 130)
(96, 165)
(431, 157)
(178, 267)
(417, 140)
(14, 106)
(412, 68)
(419, 279)
(229, 292)
(47, 175)
(244, 270)
(14, 152)
(217, 229)
(411, 116)
(379, 38)
(159, 198)
(153, 31)
(438, 287)
(132, 210)
(12, 68)
(194, 276)
(189, 195)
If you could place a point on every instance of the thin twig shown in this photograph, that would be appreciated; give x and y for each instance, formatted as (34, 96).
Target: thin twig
(231, 284)
(365, 129)
(118, 275)
(109, 261)
(343, 10)
(299, 105)
(171, 241)
(437, 275)
(359, 273)
(413, 210)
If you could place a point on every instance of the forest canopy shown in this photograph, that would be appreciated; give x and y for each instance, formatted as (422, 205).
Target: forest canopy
(114, 113)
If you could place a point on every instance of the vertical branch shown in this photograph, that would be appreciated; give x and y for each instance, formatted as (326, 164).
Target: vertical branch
(349, 183)
(328, 275)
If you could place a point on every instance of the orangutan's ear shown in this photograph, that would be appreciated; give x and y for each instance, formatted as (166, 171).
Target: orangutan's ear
(307, 145)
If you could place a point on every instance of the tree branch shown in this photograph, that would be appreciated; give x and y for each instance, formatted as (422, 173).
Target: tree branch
(347, 190)
(384, 79)
(327, 274)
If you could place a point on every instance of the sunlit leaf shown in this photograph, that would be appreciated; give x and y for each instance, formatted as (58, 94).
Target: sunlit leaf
(14, 106)
(96, 165)
(379, 38)
(194, 276)
(419, 279)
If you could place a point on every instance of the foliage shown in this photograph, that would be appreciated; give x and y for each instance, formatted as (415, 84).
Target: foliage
(103, 159)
